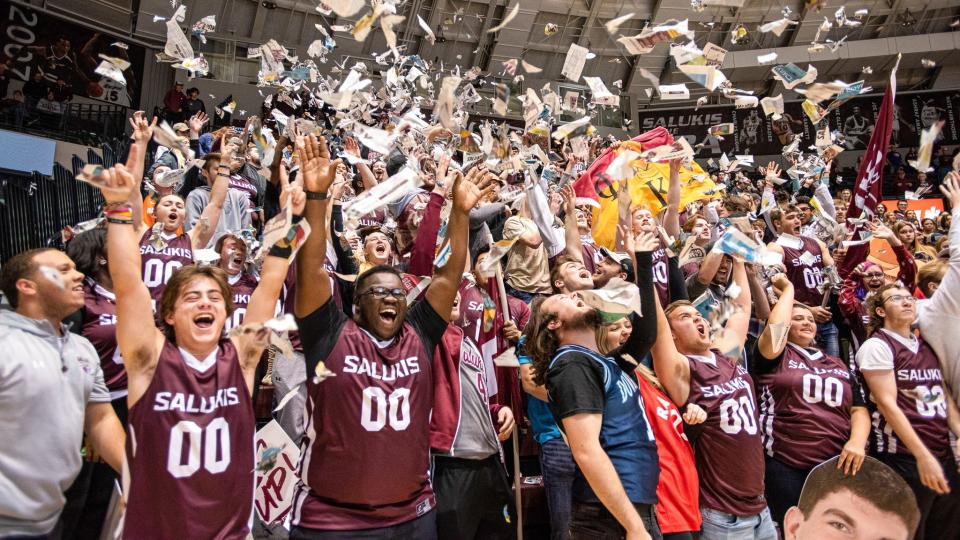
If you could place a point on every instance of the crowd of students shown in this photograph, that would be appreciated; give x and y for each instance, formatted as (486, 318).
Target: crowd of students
(700, 414)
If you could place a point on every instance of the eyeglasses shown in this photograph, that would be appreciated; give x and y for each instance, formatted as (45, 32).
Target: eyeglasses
(382, 292)
(901, 298)
(873, 275)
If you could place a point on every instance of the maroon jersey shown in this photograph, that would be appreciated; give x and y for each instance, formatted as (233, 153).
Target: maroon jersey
(366, 451)
(242, 286)
(373, 220)
(805, 271)
(805, 400)
(661, 274)
(729, 452)
(920, 396)
(190, 449)
(100, 327)
(591, 254)
(159, 265)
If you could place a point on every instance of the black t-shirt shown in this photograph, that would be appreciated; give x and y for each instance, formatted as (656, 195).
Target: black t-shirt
(575, 384)
(320, 331)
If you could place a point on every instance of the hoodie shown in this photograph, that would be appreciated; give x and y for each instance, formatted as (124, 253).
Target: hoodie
(46, 382)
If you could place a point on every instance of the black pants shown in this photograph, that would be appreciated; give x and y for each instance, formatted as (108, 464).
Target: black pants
(592, 521)
(473, 498)
(783, 486)
(424, 527)
(938, 517)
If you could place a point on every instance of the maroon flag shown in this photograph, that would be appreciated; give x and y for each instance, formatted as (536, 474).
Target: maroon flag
(867, 196)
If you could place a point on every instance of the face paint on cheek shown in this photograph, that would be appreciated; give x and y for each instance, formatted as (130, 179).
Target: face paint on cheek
(52, 275)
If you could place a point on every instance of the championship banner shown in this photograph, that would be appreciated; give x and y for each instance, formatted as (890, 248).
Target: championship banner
(866, 194)
(647, 187)
(37, 42)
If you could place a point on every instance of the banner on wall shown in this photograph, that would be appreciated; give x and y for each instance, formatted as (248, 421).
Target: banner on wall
(33, 42)
(759, 135)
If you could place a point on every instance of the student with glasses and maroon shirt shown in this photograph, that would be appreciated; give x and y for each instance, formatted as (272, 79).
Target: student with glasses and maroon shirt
(366, 450)
(913, 410)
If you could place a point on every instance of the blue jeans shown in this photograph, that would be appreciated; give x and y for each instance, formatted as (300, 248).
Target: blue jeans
(722, 526)
(783, 486)
(527, 297)
(558, 468)
(828, 338)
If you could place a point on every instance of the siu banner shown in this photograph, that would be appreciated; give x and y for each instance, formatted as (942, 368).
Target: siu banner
(759, 135)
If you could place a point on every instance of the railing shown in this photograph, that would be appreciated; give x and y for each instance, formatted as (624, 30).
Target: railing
(83, 123)
(35, 209)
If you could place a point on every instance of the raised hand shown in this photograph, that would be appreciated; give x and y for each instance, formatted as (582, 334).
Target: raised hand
(294, 195)
(196, 123)
(469, 190)
(951, 188)
(351, 147)
(142, 130)
(781, 282)
(646, 242)
(317, 170)
(117, 184)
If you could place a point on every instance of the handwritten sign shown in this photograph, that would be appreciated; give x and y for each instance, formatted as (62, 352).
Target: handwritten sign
(275, 485)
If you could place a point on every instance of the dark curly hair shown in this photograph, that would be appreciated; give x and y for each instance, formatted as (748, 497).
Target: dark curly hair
(86, 249)
(876, 301)
(541, 342)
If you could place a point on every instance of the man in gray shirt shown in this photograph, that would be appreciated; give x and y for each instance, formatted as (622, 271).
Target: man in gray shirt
(51, 391)
(235, 215)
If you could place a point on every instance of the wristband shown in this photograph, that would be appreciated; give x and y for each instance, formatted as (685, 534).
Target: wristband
(119, 213)
(119, 221)
(283, 252)
(297, 219)
(317, 195)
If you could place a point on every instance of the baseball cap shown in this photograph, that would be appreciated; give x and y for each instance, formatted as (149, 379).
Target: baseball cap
(623, 259)
(180, 126)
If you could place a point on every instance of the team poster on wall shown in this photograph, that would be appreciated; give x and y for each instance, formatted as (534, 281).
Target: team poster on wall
(33, 42)
(759, 135)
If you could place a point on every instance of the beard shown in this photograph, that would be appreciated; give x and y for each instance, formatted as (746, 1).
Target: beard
(591, 320)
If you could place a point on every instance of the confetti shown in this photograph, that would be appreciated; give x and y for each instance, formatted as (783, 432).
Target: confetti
(506, 20)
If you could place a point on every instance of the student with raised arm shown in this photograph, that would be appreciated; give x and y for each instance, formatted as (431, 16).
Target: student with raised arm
(811, 406)
(699, 367)
(163, 248)
(191, 417)
(374, 415)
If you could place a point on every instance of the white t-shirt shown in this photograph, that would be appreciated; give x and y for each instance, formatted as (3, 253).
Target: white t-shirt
(876, 354)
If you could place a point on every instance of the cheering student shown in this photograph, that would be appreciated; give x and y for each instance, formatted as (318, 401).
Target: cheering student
(805, 266)
(915, 413)
(52, 391)
(698, 367)
(190, 413)
(645, 222)
(834, 505)
(163, 248)
(811, 407)
(374, 415)
(596, 401)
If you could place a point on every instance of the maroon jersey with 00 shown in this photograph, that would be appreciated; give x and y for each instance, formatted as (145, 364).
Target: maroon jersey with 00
(728, 452)
(158, 265)
(189, 466)
(100, 327)
(805, 402)
(242, 285)
(920, 396)
(365, 454)
(805, 271)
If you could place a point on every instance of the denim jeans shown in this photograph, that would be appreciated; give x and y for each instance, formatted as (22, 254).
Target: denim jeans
(783, 486)
(592, 521)
(527, 297)
(722, 526)
(828, 338)
(558, 468)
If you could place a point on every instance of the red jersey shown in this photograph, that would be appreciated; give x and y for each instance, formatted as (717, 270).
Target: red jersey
(805, 270)
(189, 466)
(159, 264)
(365, 457)
(920, 396)
(805, 400)
(678, 509)
(100, 327)
(729, 451)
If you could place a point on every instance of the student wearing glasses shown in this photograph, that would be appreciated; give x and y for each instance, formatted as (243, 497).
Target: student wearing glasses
(366, 448)
(913, 411)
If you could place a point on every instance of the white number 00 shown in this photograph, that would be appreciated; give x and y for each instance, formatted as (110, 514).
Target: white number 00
(217, 431)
